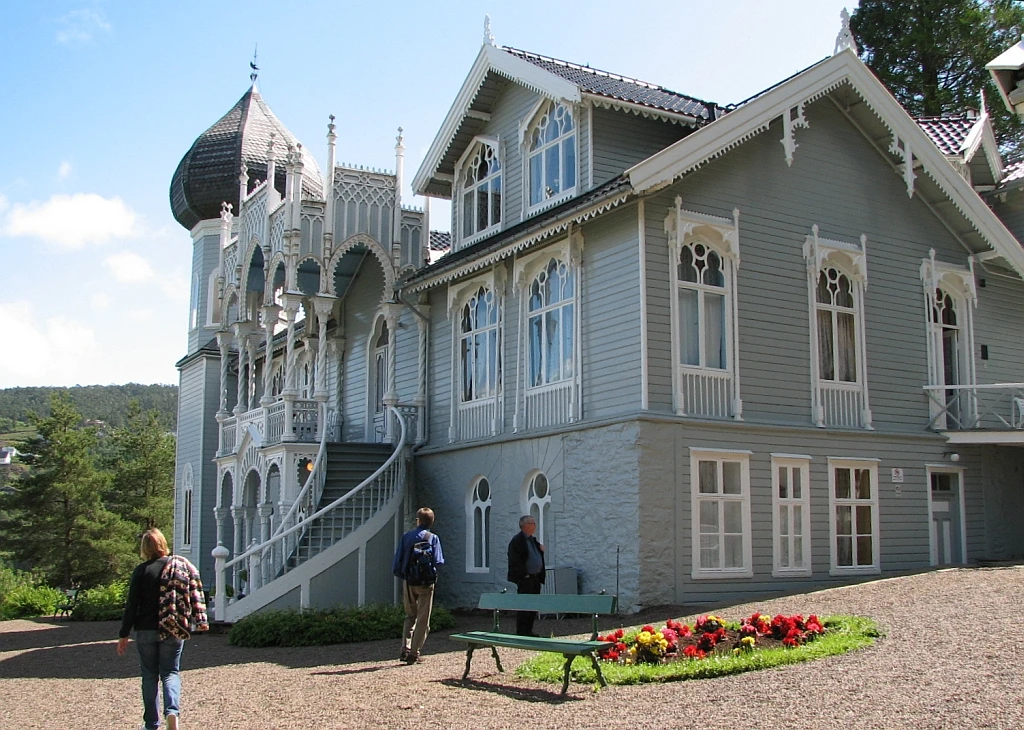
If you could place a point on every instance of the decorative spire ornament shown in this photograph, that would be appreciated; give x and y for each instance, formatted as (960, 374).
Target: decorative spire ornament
(488, 36)
(253, 66)
(845, 38)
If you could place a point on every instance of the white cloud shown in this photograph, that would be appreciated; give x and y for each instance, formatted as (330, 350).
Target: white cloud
(64, 171)
(101, 301)
(129, 267)
(49, 352)
(3, 203)
(139, 315)
(72, 221)
(80, 26)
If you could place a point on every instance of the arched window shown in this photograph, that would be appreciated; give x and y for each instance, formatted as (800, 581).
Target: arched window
(552, 153)
(551, 324)
(480, 182)
(187, 487)
(479, 357)
(837, 327)
(703, 338)
(478, 541)
(538, 502)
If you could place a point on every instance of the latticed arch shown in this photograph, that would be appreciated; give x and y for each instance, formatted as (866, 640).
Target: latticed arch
(378, 251)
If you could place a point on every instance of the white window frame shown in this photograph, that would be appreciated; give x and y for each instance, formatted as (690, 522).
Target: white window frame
(854, 463)
(542, 109)
(802, 465)
(720, 457)
(475, 506)
(187, 513)
(482, 416)
(476, 147)
(959, 283)
(530, 501)
(838, 403)
(698, 390)
(559, 399)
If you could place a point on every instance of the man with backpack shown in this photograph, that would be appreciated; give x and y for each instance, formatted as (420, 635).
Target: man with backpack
(416, 561)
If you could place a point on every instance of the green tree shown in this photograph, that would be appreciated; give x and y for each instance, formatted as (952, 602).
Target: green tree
(54, 521)
(931, 54)
(140, 460)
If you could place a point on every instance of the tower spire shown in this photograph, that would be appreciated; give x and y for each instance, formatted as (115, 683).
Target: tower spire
(253, 66)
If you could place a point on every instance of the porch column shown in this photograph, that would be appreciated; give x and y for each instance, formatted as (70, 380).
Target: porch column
(324, 305)
(238, 514)
(391, 314)
(292, 301)
(250, 396)
(220, 514)
(243, 333)
(265, 512)
(270, 319)
(240, 380)
(224, 343)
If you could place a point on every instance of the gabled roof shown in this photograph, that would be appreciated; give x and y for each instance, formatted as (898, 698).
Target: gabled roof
(554, 79)
(948, 133)
(960, 138)
(880, 117)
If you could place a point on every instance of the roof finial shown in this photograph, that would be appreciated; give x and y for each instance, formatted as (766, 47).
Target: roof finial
(984, 110)
(253, 66)
(399, 139)
(845, 38)
(488, 36)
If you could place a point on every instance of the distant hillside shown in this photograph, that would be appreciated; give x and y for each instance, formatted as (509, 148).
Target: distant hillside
(107, 403)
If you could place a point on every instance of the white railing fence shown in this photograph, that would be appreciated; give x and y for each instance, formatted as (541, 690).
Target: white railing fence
(706, 393)
(548, 405)
(842, 404)
(304, 533)
(476, 419)
(999, 406)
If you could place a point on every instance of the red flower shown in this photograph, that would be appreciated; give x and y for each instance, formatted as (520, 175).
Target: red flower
(648, 628)
(693, 652)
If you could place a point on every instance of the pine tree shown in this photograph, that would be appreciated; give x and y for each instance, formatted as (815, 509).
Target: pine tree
(140, 459)
(55, 520)
(931, 54)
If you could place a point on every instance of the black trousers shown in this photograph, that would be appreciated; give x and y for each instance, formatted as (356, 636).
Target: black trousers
(525, 619)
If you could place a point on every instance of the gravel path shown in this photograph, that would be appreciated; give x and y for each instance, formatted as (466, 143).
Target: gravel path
(952, 658)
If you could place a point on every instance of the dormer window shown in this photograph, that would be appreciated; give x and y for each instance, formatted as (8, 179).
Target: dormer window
(552, 153)
(480, 181)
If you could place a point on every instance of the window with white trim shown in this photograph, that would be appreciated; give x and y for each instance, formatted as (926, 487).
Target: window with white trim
(551, 153)
(853, 504)
(480, 190)
(837, 278)
(187, 488)
(537, 503)
(704, 257)
(478, 542)
(474, 307)
(720, 503)
(478, 346)
(551, 329)
(791, 515)
(949, 295)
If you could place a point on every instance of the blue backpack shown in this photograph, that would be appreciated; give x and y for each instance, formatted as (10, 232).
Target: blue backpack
(421, 568)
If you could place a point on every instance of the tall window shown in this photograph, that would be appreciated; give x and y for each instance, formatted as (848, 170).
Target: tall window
(479, 542)
(853, 490)
(537, 503)
(481, 190)
(551, 324)
(720, 490)
(702, 307)
(552, 153)
(837, 327)
(837, 277)
(188, 485)
(479, 357)
(949, 291)
(791, 518)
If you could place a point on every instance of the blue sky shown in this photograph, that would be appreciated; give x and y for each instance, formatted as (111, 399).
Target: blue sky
(102, 99)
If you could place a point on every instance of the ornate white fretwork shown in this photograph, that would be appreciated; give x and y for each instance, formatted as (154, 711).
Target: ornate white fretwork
(901, 149)
(488, 35)
(845, 38)
(792, 120)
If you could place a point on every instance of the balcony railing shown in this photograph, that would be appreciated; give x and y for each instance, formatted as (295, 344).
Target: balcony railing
(999, 406)
(271, 425)
(706, 392)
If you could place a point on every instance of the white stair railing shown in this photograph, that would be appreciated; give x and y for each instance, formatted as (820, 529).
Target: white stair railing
(286, 549)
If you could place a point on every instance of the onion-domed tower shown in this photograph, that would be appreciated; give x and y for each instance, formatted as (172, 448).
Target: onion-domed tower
(208, 173)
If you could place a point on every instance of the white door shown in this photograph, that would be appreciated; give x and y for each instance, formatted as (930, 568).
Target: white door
(945, 524)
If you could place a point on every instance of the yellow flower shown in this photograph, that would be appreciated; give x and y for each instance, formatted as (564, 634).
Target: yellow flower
(748, 640)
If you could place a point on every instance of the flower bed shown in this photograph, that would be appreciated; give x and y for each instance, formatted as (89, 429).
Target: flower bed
(711, 647)
(708, 635)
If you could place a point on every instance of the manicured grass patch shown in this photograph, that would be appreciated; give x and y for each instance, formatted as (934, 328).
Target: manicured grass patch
(842, 634)
(342, 625)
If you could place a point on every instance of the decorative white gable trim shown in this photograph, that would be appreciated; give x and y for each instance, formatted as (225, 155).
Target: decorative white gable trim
(821, 252)
(489, 59)
(960, 279)
(901, 149)
(731, 130)
(845, 37)
(460, 292)
(792, 120)
(641, 111)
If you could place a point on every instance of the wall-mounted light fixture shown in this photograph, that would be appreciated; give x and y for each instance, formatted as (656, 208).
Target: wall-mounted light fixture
(952, 456)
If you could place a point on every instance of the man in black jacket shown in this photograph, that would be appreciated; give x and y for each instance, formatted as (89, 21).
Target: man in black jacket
(526, 569)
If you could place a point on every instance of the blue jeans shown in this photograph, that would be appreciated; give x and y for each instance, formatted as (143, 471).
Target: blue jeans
(159, 660)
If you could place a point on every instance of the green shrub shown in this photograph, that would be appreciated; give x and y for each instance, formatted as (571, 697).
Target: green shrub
(314, 627)
(105, 603)
(24, 594)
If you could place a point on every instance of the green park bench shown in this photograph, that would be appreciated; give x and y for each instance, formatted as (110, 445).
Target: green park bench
(556, 603)
(67, 606)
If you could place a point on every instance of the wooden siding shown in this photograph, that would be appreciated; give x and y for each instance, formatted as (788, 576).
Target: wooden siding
(205, 258)
(999, 325)
(622, 139)
(361, 306)
(839, 182)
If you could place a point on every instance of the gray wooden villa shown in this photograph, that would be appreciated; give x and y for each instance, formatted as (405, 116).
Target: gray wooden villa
(717, 351)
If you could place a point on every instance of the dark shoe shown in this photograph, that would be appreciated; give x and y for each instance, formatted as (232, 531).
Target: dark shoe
(411, 658)
(404, 655)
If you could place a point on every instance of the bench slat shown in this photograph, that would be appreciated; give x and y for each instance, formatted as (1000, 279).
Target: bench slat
(559, 646)
(548, 602)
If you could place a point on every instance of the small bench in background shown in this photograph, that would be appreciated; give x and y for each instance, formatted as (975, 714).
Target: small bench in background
(70, 599)
(595, 605)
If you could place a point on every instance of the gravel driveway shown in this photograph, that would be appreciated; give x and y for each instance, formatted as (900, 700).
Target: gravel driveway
(953, 657)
